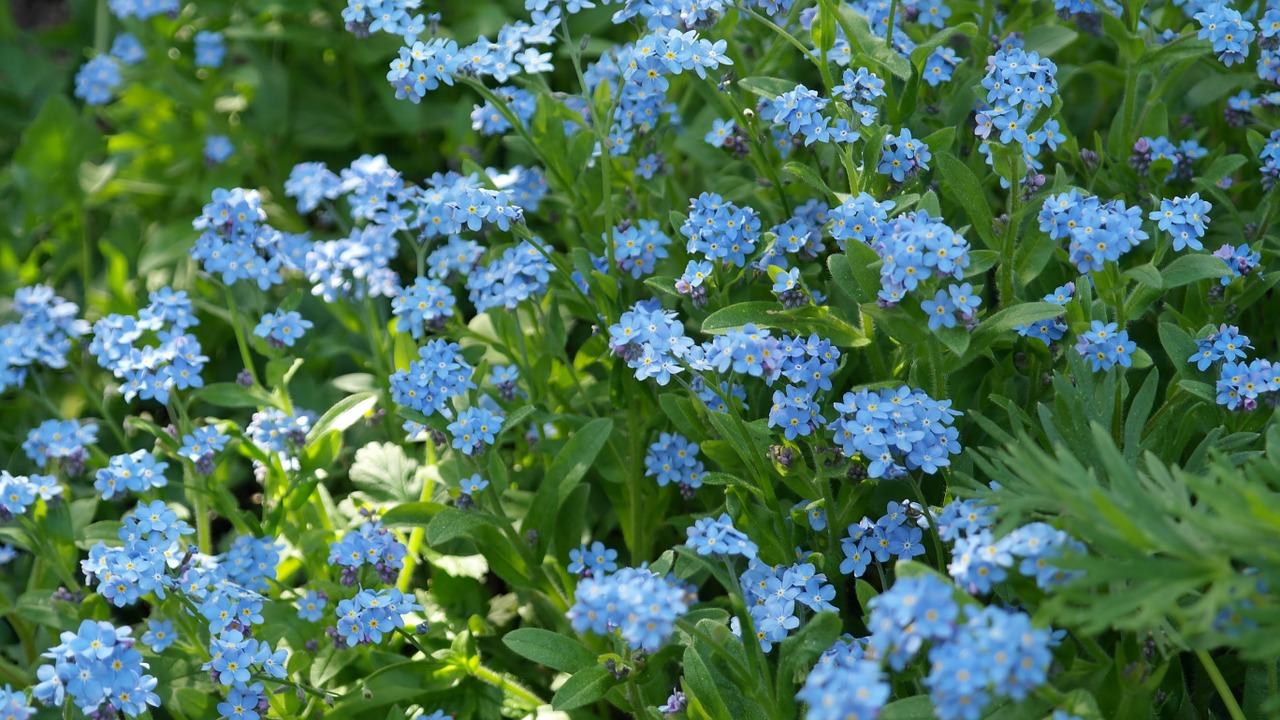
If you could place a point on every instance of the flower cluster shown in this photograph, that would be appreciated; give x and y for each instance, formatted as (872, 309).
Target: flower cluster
(519, 273)
(1097, 232)
(475, 428)
(903, 156)
(152, 548)
(438, 375)
(1050, 331)
(135, 472)
(896, 430)
(651, 340)
(19, 492)
(41, 337)
(593, 561)
(674, 459)
(898, 533)
(720, 230)
(776, 594)
(1018, 85)
(1105, 346)
(718, 536)
(366, 618)
(97, 80)
(1229, 32)
(640, 604)
(98, 669)
(638, 246)
(146, 371)
(844, 683)
(373, 545)
(66, 441)
(915, 247)
(202, 445)
(1240, 260)
(282, 328)
(1185, 219)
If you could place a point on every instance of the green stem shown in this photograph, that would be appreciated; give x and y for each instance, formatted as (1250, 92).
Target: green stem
(199, 508)
(1220, 683)
(100, 405)
(507, 684)
(245, 356)
(419, 532)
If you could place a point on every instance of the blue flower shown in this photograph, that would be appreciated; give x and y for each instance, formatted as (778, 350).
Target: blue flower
(474, 429)
(97, 80)
(720, 133)
(209, 49)
(217, 149)
(638, 603)
(127, 49)
(719, 537)
(159, 635)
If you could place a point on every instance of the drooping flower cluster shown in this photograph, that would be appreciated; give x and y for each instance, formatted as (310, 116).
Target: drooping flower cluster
(674, 459)
(776, 597)
(638, 603)
(1225, 344)
(898, 533)
(799, 112)
(1105, 346)
(98, 670)
(276, 431)
(896, 430)
(210, 49)
(369, 616)
(1182, 156)
(146, 371)
(373, 545)
(1097, 232)
(41, 337)
(955, 301)
(979, 560)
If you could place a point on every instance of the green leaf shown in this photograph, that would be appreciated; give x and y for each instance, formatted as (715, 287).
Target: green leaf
(233, 395)
(451, 523)
(1048, 39)
(917, 707)
(866, 43)
(810, 177)
(384, 473)
(865, 593)
(1178, 344)
(700, 681)
(1139, 411)
(1190, 268)
(567, 470)
(821, 320)
(411, 514)
(996, 326)
(1146, 274)
(1223, 167)
(725, 479)
(801, 649)
(955, 338)
(347, 412)
(767, 87)
(583, 688)
(968, 191)
(926, 48)
(556, 651)
(1183, 48)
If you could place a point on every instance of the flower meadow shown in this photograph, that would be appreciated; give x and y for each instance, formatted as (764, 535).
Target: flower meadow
(700, 359)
